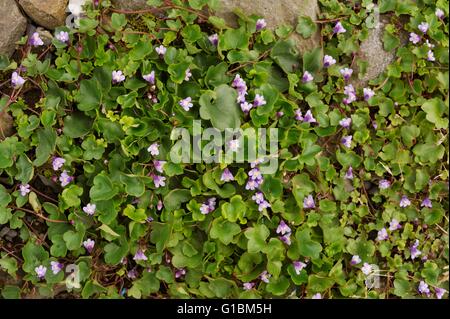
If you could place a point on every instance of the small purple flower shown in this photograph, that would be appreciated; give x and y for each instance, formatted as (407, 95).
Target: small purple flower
(65, 178)
(368, 93)
(283, 228)
(180, 272)
(404, 201)
(308, 202)
(264, 276)
(307, 77)
(241, 97)
(35, 40)
(133, 273)
(298, 115)
(298, 266)
(239, 83)
(248, 285)
(233, 145)
(187, 74)
(159, 181)
(211, 202)
(349, 99)
(309, 118)
(338, 28)
(251, 184)
(56, 267)
(439, 292)
(349, 173)
(89, 209)
(414, 251)
(345, 122)
(426, 203)
(317, 296)
(430, 56)
(140, 256)
(204, 209)
(186, 103)
(258, 197)
(153, 149)
(423, 288)
(89, 245)
(414, 38)
(158, 165)
(150, 77)
(62, 36)
(279, 114)
(286, 239)
(260, 24)
(439, 13)
(24, 189)
(246, 107)
(16, 80)
(40, 271)
(226, 176)
(149, 219)
(161, 50)
(394, 225)
(382, 235)
(423, 27)
(259, 100)
(263, 205)
(428, 44)
(57, 163)
(346, 73)
(328, 61)
(384, 184)
(355, 260)
(366, 269)
(255, 174)
(214, 39)
(160, 205)
(117, 77)
(347, 141)
(349, 90)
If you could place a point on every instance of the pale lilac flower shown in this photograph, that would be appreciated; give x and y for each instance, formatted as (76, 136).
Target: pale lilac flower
(241, 97)
(180, 272)
(158, 165)
(153, 149)
(150, 77)
(298, 266)
(248, 285)
(423, 288)
(16, 80)
(309, 118)
(439, 292)
(439, 13)
(338, 28)
(246, 107)
(347, 141)
(349, 89)
(345, 122)
(349, 173)
(159, 181)
(349, 99)
(117, 77)
(257, 162)
(414, 251)
(368, 93)
(159, 205)
(308, 202)
(423, 27)
(57, 163)
(24, 189)
(263, 205)
(188, 74)
(384, 184)
(186, 103)
(233, 145)
(307, 77)
(346, 73)
(161, 50)
(428, 44)
(366, 269)
(283, 228)
(298, 115)
(40, 271)
(264, 276)
(405, 202)
(382, 234)
(62, 36)
(394, 225)
(35, 40)
(280, 114)
(214, 39)
(260, 24)
(89, 244)
(251, 184)
(204, 209)
(226, 176)
(56, 267)
(89, 209)
(239, 83)
(255, 174)
(426, 203)
(258, 197)
(414, 38)
(355, 260)
(328, 61)
(317, 296)
(259, 100)
(65, 178)
(149, 219)
(286, 239)
(211, 202)
(430, 56)
(140, 256)
(133, 273)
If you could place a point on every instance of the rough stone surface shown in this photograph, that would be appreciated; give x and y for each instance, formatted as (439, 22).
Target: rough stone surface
(130, 4)
(49, 13)
(12, 26)
(6, 125)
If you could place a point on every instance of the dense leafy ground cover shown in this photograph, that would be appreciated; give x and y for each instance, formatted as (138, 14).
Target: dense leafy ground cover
(358, 205)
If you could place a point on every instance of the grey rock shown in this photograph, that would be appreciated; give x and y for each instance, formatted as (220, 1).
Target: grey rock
(6, 125)
(130, 4)
(49, 13)
(12, 26)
